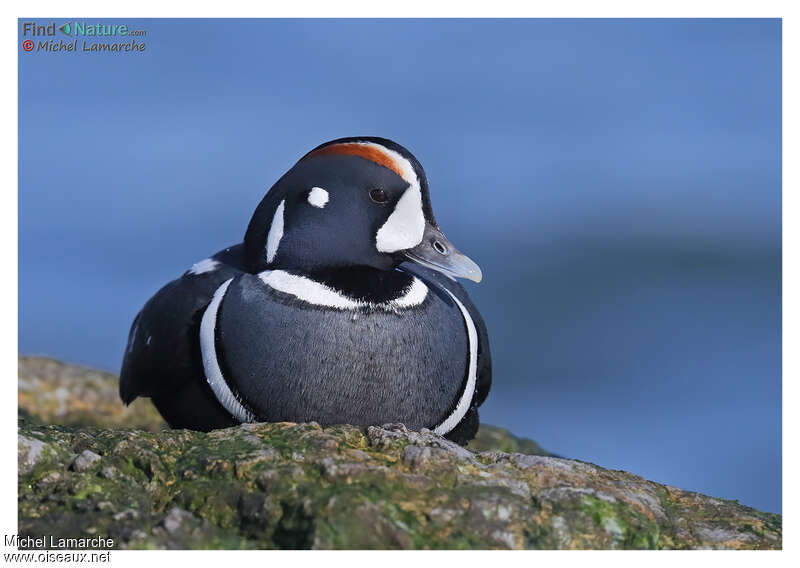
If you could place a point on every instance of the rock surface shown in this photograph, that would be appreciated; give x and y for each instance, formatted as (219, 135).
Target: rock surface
(117, 473)
(73, 395)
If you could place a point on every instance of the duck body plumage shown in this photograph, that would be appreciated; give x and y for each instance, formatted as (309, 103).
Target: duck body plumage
(234, 341)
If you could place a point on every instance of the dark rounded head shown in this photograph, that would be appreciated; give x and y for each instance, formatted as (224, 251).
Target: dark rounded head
(351, 202)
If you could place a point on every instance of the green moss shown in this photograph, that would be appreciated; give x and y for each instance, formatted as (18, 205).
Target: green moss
(492, 438)
(302, 486)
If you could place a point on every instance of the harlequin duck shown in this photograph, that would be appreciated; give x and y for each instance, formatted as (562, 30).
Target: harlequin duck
(340, 306)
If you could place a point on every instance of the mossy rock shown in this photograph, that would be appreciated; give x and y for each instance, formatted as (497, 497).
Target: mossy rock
(74, 395)
(286, 485)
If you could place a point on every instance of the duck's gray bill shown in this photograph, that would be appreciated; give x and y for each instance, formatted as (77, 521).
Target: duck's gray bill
(437, 253)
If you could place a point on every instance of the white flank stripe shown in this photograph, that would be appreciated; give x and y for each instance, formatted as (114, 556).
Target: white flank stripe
(205, 265)
(132, 335)
(208, 350)
(466, 397)
(319, 294)
(318, 197)
(275, 232)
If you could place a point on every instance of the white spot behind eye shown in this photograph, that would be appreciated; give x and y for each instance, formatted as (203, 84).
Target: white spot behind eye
(275, 233)
(318, 197)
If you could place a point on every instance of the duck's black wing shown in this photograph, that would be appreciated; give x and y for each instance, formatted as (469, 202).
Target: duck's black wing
(438, 282)
(162, 359)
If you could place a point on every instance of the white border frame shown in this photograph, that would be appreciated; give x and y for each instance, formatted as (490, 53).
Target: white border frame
(409, 8)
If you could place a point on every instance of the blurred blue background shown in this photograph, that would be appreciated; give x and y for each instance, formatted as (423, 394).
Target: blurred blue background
(618, 182)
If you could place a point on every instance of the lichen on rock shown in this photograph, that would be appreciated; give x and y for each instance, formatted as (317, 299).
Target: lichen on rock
(288, 485)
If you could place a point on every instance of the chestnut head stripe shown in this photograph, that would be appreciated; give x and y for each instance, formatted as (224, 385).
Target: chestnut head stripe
(369, 151)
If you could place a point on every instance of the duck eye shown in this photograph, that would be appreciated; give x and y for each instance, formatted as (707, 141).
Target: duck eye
(378, 195)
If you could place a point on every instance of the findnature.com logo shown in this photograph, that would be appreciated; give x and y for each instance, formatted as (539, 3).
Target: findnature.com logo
(81, 29)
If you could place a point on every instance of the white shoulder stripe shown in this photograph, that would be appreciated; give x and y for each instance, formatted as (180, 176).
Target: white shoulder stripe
(472, 371)
(208, 350)
(275, 232)
(203, 266)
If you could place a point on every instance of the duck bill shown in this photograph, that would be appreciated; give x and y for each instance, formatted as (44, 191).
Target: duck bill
(437, 253)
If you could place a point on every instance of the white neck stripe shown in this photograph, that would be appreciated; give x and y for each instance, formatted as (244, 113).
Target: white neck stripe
(275, 232)
(318, 294)
(208, 350)
(472, 371)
